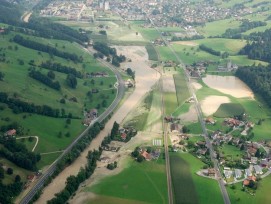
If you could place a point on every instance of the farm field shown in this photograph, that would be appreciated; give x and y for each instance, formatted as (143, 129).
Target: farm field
(229, 110)
(140, 182)
(182, 91)
(151, 52)
(188, 186)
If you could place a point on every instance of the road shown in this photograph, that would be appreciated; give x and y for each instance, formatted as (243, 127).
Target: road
(165, 131)
(37, 141)
(120, 92)
(200, 117)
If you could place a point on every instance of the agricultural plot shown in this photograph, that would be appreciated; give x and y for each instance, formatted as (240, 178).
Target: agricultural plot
(139, 183)
(229, 110)
(151, 52)
(188, 186)
(182, 91)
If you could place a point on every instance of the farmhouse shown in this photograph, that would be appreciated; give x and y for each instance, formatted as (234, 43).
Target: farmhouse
(175, 128)
(11, 132)
(202, 151)
(105, 159)
(210, 121)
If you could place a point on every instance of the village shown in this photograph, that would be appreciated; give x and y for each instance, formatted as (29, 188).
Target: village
(240, 158)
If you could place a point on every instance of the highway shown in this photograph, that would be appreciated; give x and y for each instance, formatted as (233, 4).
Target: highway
(120, 92)
(201, 120)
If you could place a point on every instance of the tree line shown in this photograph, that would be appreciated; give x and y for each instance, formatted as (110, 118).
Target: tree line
(18, 154)
(209, 50)
(18, 106)
(44, 79)
(258, 78)
(46, 48)
(61, 68)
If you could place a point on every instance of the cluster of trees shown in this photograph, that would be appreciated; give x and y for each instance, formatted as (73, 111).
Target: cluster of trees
(71, 81)
(130, 73)
(235, 33)
(2, 75)
(73, 182)
(258, 78)
(260, 46)
(46, 48)
(209, 50)
(44, 79)
(18, 154)
(8, 192)
(9, 13)
(112, 166)
(19, 106)
(104, 50)
(136, 154)
(114, 132)
(61, 68)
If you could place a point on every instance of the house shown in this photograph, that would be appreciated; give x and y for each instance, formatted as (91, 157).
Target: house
(246, 182)
(10, 133)
(202, 151)
(175, 128)
(264, 163)
(93, 113)
(236, 141)
(248, 172)
(258, 169)
(105, 159)
(251, 151)
(211, 172)
(123, 136)
(228, 173)
(168, 119)
(210, 121)
(201, 144)
(2, 30)
(146, 155)
(253, 160)
(237, 173)
(31, 178)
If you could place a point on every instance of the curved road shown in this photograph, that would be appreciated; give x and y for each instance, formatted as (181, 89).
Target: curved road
(110, 109)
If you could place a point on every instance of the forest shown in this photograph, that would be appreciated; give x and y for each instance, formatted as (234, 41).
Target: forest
(259, 46)
(258, 78)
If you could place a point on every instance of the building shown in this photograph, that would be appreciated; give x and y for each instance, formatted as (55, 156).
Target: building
(248, 172)
(10, 133)
(237, 173)
(258, 169)
(211, 172)
(228, 173)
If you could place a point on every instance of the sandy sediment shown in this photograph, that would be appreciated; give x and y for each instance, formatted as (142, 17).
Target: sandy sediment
(211, 103)
(145, 79)
(228, 85)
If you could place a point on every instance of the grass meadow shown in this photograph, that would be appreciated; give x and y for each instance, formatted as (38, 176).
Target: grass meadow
(229, 110)
(188, 186)
(139, 183)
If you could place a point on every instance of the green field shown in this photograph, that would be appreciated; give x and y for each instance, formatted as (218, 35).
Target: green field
(189, 187)
(231, 152)
(139, 183)
(152, 54)
(229, 110)
(182, 91)
(18, 84)
(171, 102)
(261, 196)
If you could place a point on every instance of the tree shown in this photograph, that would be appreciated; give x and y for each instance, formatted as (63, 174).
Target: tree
(17, 178)
(51, 75)
(71, 81)
(258, 153)
(140, 158)
(2, 75)
(2, 173)
(185, 129)
(9, 171)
